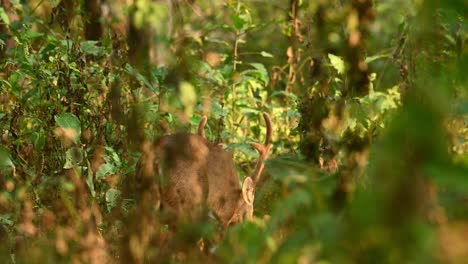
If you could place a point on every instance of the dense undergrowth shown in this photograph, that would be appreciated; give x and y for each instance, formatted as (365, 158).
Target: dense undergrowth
(368, 101)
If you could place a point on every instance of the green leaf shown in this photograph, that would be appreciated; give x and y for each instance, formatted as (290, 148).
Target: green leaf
(30, 34)
(112, 197)
(70, 121)
(266, 54)
(188, 97)
(244, 148)
(216, 109)
(140, 77)
(337, 63)
(240, 21)
(73, 157)
(159, 74)
(5, 158)
(217, 40)
(376, 57)
(292, 96)
(89, 180)
(90, 48)
(263, 72)
(114, 157)
(104, 169)
(6, 220)
(4, 16)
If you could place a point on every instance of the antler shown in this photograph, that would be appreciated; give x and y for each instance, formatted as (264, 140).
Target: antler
(263, 150)
(201, 127)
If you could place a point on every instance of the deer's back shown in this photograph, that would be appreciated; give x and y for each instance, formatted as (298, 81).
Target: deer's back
(192, 174)
(180, 171)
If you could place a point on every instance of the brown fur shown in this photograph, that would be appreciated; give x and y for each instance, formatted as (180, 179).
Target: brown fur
(224, 188)
(193, 175)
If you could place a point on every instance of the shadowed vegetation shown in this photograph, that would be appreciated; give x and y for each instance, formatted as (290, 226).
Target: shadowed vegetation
(367, 160)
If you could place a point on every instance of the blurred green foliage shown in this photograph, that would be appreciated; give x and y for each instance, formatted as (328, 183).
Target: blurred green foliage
(368, 100)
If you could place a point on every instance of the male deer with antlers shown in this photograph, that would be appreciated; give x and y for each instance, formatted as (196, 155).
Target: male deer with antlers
(193, 174)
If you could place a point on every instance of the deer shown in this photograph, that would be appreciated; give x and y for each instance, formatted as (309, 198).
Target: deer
(194, 175)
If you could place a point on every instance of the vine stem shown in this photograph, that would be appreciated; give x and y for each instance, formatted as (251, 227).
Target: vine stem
(234, 67)
(37, 6)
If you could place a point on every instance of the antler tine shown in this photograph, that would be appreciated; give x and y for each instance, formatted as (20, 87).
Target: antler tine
(269, 128)
(201, 127)
(263, 150)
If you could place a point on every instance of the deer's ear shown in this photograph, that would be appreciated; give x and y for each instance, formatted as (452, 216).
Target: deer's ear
(248, 190)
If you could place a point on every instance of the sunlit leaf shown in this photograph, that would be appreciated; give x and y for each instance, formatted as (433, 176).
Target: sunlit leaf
(263, 72)
(188, 97)
(337, 63)
(376, 57)
(266, 54)
(4, 16)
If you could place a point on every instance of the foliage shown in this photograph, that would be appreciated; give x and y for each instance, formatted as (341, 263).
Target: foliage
(368, 100)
